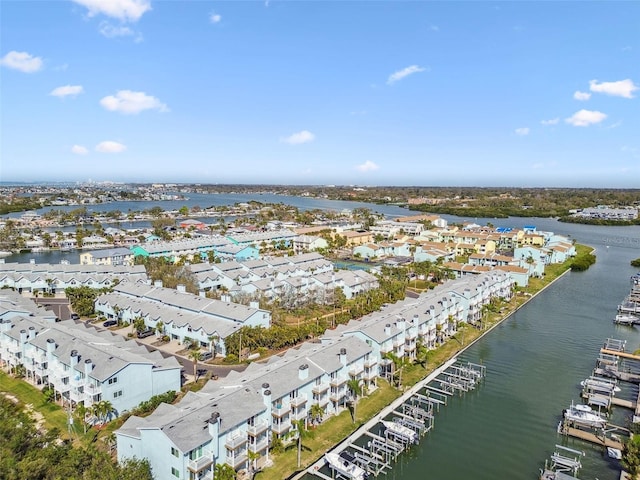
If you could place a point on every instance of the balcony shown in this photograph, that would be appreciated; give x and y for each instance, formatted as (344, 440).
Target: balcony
(201, 462)
(299, 414)
(281, 427)
(356, 370)
(370, 362)
(280, 410)
(398, 341)
(259, 446)
(337, 396)
(234, 441)
(370, 374)
(323, 387)
(336, 382)
(257, 428)
(237, 460)
(411, 334)
(298, 400)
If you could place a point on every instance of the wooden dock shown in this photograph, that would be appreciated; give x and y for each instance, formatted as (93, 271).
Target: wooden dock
(592, 437)
(616, 353)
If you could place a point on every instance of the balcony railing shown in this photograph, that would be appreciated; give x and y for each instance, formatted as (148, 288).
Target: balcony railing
(336, 382)
(259, 446)
(237, 460)
(257, 428)
(370, 362)
(299, 414)
(337, 396)
(236, 440)
(370, 374)
(280, 410)
(298, 400)
(201, 462)
(356, 370)
(281, 427)
(323, 387)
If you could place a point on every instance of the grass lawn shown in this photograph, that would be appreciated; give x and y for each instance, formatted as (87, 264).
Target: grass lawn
(54, 416)
(328, 434)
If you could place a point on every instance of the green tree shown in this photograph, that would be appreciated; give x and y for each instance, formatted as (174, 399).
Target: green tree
(316, 412)
(223, 471)
(354, 386)
(301, 433)
(631, 455)
(196, 356)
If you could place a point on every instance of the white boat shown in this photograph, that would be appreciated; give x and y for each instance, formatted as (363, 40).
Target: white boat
(401, 430)
(584, 415)
(625, 319)
(596, 384)
(344, 467)
(614, 453)
(4, 253)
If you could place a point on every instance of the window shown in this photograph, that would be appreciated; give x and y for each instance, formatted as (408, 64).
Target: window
(113, 380)
(175, 472)
(174, 451)
(117, 394)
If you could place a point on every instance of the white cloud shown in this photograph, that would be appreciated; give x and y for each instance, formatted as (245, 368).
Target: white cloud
(405, 72)
(23, 61)
(128, 102)
(110, 31)
(367, 166)
(615, 125)
(434, 28)
(109, 146)
(621, 88)
(298, 138)
(215, 18)
(552, 121)
(67, 90)
(124, 10)
(582, 96)
(584, 118)
(79, 150)
(522, 131)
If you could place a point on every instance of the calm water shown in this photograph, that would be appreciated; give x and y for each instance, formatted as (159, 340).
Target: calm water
(507, 428)
(535, 361)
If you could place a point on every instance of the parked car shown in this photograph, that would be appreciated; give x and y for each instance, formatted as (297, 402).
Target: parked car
(110, 323)
(146, 333)
(206, 356)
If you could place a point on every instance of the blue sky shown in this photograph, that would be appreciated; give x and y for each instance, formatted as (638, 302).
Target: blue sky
(327, 92)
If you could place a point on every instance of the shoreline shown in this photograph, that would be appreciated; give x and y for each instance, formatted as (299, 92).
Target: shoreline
(386, 410)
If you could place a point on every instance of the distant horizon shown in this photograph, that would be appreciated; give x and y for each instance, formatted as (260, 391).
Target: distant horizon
(518, 94)
(98, 183)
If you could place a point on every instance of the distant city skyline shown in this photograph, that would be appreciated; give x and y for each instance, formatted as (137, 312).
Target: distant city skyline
(522, 94)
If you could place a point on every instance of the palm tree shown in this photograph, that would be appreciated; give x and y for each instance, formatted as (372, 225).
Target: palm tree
(223, 471)
(398, 364)
(195, 356)
(301, 433)
(354, 386)
(159, 328)
(80, 414)
(253, 458)
(316, 412)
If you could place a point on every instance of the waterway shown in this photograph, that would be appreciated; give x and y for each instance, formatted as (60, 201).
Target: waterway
(535, 359)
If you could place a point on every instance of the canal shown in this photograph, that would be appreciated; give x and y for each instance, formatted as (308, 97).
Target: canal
(535, 360)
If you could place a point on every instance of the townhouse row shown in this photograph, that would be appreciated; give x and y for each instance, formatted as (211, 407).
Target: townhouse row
(49, 278)
(204, 321)
(232, 420)
(82, 365)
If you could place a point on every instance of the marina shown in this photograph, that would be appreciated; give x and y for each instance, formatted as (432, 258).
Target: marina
(376, 446)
